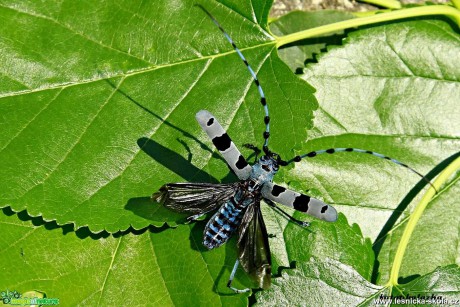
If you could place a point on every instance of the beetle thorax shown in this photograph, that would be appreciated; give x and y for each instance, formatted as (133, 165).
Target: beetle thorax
(264, 170)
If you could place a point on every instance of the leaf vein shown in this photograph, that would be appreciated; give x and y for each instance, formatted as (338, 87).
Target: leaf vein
(109, 269)
(32, 120)
(67, 27)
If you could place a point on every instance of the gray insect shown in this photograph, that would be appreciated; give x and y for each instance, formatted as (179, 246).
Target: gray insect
(238, 204)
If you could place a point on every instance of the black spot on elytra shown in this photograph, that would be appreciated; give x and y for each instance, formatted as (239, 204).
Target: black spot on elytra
(301, 203)
(222, 142)
(324, 209)
(210, 121)
(277, 190)
(241, 163)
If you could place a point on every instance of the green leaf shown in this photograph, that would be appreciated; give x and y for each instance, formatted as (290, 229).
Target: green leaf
(290, 243)
(162, 267)
(444, 283)
(171, 263)
(392, 89)
(323, 282)
(336, 241)
(434, 241)
(304, 51)
(114, 119)
(326, 256)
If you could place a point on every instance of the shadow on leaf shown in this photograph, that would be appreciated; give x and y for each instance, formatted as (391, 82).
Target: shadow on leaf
(174, 162)
(148, 209)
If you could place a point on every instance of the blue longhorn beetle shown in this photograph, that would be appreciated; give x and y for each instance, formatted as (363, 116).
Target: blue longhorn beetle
(238, 203)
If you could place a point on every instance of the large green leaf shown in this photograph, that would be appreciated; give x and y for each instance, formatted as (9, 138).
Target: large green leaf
(338, 241)
(90, 144)
(392, 89)
(160, 267)
(322, 282)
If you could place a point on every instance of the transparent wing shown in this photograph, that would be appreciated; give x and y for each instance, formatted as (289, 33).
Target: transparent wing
(300, 202)
(194, 198)
(253, 248)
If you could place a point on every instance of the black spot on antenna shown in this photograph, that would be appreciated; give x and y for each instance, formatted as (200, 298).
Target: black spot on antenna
(330, 151)
(222, 142)
(263, 101)
(277, 190)
(256, 82)
(266, 134)
(369, 152)
(266, 119)
(241, 163)
(311, 154)
(301, 203)
(297, 158)
(349, 149)
(210, 121)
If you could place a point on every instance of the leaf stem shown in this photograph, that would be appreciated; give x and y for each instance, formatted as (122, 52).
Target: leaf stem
(370, 13)
(414, 218)
(391, 4)
(448, 11)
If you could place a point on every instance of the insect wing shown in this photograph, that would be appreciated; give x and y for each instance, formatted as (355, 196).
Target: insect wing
(194, 198)
(253, 248)
(224, 144)
(298, 201)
